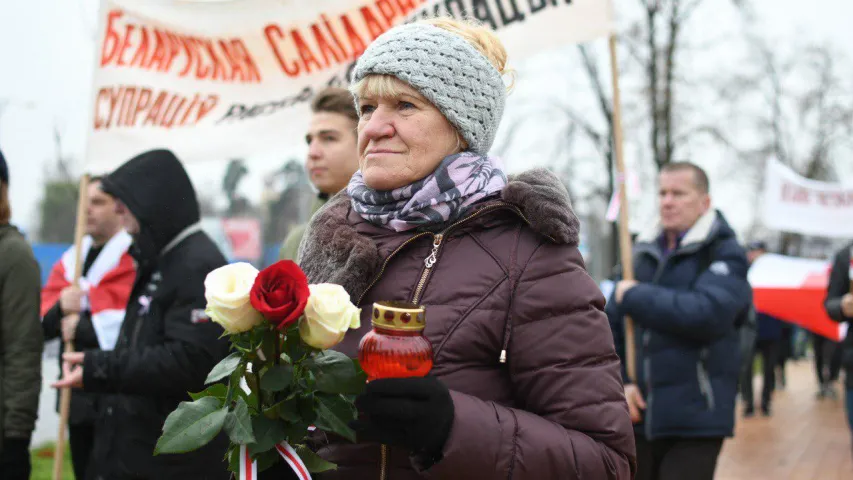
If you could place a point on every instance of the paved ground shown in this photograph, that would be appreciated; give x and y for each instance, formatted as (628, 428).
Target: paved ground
(805, 439)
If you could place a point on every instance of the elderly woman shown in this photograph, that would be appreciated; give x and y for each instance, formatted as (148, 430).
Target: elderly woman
(526, 381)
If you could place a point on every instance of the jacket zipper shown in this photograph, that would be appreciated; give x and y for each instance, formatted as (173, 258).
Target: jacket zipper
(647, 365)
(429, 263)
(705, 381)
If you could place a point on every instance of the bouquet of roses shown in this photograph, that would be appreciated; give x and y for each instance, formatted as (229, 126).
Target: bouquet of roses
(281, 380)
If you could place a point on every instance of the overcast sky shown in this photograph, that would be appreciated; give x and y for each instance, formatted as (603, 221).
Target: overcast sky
(47, 48)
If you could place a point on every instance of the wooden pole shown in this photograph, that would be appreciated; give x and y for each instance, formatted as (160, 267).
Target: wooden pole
(625, 248)
(65, 394)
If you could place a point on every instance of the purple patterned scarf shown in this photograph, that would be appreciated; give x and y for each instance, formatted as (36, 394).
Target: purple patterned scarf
(460, 181)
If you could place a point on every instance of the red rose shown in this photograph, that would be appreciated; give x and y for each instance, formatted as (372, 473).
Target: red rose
(280, 293)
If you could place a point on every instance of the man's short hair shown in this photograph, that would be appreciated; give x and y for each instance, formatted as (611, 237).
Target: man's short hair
(335, 100)
(700, 178)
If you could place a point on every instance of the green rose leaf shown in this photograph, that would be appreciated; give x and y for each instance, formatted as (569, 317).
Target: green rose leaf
(296, 431)
(307, 408)
(312, 461)
(234, 459)
(218, 390)
(224, 368)
(337, 373)
(268, 459)
(333, 414)
(277, 378)
(289, 410)
(238, 424)
(191, 425)
(235, 388)
(268, 433)
(293, 345)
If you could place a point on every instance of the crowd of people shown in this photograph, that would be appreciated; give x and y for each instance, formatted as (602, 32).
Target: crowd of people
(531, 377)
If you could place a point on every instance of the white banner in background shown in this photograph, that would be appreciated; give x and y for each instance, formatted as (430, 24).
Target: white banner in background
(234, 79)
(796, 204)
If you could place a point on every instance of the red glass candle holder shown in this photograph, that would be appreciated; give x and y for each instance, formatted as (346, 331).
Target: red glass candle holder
(396, 347)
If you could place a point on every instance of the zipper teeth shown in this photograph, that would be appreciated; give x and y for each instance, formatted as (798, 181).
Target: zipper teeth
(385, 264)
(444, 233)
(433, 255)
(383, 470)
(422, 282)
(440, 242)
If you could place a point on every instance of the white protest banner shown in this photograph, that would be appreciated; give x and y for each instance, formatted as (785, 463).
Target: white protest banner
(213, 80)
(796, 204)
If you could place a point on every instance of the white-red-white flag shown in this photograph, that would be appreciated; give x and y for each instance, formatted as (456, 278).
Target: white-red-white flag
(793, 289)
(108, 284)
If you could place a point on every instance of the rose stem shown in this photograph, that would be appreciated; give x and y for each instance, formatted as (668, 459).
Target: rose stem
(260, 392)
(277, 359)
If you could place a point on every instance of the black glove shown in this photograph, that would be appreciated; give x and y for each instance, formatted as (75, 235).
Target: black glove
(414, 413)
(15, 459)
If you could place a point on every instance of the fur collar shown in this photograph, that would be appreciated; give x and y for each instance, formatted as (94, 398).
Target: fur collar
(332, 251)
(700, 232)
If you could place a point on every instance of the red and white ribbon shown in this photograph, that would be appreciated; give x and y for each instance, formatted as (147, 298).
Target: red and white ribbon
(249, 468)
(289, 455)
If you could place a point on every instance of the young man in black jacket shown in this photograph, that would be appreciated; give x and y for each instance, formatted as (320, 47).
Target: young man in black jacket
(167, 345)
(839, 306)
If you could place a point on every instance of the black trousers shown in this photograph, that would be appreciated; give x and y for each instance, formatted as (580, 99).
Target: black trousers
(677, 458)
(827, 357)
(80, 440)
(15, 459)
(769, 351)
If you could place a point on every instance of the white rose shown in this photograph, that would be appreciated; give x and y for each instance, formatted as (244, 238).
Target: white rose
(328, 315)
(227, 292)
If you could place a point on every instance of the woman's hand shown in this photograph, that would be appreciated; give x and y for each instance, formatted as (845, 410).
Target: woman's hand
(415, 413)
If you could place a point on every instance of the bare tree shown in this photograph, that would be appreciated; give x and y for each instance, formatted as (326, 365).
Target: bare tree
(657, 42)
(800, 109)
(58, 206)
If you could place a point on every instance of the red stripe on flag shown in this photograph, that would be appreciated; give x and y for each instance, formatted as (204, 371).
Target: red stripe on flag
(296, 462)
(803, 307)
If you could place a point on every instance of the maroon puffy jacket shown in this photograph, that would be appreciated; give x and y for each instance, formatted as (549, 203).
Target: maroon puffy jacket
(518, 330)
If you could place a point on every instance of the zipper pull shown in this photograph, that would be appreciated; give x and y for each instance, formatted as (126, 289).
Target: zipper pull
(433, 256)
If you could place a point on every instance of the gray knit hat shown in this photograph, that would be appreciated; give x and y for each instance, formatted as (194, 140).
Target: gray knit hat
(448, 71)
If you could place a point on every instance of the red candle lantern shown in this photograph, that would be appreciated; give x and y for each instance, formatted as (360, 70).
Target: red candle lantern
(396, 347)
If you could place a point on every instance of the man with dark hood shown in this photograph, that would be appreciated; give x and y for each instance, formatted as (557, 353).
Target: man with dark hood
(167, 345)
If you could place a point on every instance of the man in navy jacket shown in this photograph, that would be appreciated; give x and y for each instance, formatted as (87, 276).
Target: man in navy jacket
(689, 298)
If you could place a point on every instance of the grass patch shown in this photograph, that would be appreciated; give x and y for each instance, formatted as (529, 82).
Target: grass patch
(42, 459)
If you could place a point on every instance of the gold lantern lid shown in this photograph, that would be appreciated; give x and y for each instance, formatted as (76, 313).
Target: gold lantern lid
(399, 316)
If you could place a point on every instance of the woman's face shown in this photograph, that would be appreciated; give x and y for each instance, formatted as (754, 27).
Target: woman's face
(402, 139)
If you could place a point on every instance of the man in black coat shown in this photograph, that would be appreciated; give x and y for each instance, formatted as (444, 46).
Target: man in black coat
(66, 309)
(167, 345)
(839, 307)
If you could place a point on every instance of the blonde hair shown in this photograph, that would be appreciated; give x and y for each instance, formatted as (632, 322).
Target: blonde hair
(5, 209)
(472, 31)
